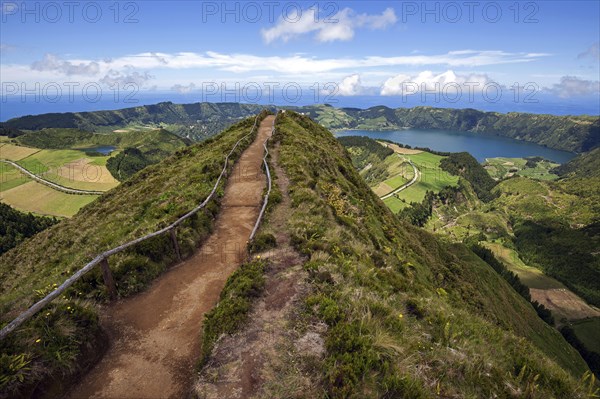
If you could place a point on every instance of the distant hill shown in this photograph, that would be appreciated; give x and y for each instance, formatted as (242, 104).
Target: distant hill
(570, 133)
(584, 165)
(200, 120)
(194, 121)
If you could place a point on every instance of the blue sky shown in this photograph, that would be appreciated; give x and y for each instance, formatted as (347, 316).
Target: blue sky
(388, 50)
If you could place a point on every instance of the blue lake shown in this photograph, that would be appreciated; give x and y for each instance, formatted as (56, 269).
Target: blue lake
(481, 147)
(102, 149)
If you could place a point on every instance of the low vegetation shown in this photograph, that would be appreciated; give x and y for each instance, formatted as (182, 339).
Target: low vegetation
(563, 253)
(398, 298)
(17, 226)
(532, 167)
(463, 164)
(362, 148)
(54, 342)
(242, 287)
(513, 279)
(585, 165)
(127, 163)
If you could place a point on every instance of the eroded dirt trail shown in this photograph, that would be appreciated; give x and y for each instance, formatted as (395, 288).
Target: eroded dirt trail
(154, 336)
(275, 354)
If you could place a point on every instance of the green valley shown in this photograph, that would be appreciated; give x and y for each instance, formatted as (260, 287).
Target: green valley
(66, 157)
(541, 226)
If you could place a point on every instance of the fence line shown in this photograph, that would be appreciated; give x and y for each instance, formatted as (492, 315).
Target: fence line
(103, 257)
(50, 184)
(266, 201)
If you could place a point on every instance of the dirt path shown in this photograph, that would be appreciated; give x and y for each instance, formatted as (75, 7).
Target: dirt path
(269, 358)
(154, 336)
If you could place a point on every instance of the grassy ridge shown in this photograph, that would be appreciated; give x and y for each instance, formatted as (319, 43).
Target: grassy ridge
(149, 200)
(585, 165)
(463, 164)
(408, 315)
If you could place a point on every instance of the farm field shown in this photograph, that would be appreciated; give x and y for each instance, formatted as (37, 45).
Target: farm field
(433, 178)
(530, 276)
(399, 171)
(551, 293)
(402, 173)
(500, 168)
(394, 204)
(10, 177)
(46, 160)
(40, 199)
(82, 174)
(14, 152)
(400, 150)
(69, 168)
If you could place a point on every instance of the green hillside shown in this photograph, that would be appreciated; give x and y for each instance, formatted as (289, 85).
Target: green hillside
(585, 165)
(56, 341)
(67, 138)
(571, 133)
(194, 121)
(408, 315)
(463, 164)
(17, 226)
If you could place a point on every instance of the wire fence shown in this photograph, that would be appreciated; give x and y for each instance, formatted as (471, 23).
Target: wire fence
(102, 259)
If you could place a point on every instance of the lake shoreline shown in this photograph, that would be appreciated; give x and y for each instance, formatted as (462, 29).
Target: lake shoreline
(481, 146)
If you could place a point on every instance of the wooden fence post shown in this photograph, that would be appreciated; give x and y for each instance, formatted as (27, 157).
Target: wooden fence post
(175, 244)
(108, 279)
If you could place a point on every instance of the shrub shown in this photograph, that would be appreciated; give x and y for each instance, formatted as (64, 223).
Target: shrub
(234, 305)
(262, 242)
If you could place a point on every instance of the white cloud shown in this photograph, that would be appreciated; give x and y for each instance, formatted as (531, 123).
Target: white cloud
(340, 26)
(171, 68)
(448, 82)
(572, 86)
(51, 62)
(121, 79)
(303, 64)
(183, 89)
(350, 86)
(592, 52)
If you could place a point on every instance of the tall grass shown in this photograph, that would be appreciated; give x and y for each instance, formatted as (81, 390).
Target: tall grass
(408, 315)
